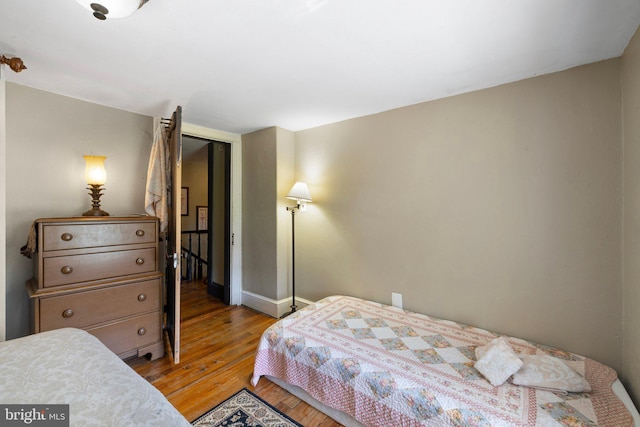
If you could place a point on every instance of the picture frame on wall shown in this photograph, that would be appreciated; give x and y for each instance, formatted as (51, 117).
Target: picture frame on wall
(184, 201)
(203, 218)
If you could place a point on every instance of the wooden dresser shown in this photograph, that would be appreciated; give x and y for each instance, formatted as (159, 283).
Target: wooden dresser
(100, 274)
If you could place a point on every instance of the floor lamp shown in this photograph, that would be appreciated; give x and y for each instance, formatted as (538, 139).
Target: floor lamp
(300, 193)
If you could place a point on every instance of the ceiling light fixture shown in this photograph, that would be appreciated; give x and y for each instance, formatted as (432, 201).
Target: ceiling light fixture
(112, 8)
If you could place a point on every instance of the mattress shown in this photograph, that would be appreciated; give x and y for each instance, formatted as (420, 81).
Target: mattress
(71, 366)
(384, 366)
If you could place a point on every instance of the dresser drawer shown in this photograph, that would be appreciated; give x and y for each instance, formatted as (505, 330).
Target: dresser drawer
(74, 236)
(71, 269)
(131, 333)
(100, 274)
(84, 309)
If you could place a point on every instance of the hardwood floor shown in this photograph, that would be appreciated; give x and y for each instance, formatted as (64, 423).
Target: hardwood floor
(216, 360)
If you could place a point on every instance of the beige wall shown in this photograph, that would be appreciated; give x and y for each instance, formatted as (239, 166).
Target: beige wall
(630, 374)
(259, 219)
(499, 208)
(195, 178)
(268, 162)
(285, 180)
(47, 135)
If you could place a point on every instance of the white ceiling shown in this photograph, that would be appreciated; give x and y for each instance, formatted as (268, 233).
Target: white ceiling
(242, 65)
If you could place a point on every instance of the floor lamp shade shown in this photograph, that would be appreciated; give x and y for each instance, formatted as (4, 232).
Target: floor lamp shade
(299, 192)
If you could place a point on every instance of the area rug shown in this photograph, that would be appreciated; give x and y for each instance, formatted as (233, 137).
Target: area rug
(245, 409)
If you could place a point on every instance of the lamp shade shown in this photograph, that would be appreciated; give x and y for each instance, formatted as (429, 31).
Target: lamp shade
(112, 8)
(94, 172)
(300, 192)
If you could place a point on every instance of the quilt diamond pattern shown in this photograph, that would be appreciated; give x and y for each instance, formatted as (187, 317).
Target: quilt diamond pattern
(374, 361)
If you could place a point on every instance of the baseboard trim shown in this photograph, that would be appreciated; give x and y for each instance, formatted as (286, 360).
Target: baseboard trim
(270, 306)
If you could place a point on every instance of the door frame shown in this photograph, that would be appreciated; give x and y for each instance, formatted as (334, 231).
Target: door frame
(235, 141)
(213, 245)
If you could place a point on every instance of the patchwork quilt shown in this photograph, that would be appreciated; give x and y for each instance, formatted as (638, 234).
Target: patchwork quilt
(386, 366)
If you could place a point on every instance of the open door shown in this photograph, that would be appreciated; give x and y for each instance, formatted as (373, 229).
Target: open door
(174, 243)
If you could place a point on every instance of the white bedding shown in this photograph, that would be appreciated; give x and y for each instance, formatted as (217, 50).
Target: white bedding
(71, 366)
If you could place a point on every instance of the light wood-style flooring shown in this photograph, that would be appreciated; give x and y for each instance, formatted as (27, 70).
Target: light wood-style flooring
(216, 360)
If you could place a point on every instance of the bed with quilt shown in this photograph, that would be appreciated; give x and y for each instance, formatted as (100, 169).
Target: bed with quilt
(364, 363)
(71, 366)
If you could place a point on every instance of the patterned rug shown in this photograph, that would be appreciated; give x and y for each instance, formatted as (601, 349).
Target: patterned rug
(245, 409)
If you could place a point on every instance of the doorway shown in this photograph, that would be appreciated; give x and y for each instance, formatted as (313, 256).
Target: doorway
(206, 221)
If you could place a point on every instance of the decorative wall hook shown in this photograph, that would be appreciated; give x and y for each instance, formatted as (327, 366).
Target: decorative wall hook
(14, 63)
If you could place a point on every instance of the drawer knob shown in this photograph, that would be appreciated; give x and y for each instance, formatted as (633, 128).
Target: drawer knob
(139, 233)
(140, 261)
(142, 331)
(67, 269)
(67, 313)
(66, 237)
(142, 297)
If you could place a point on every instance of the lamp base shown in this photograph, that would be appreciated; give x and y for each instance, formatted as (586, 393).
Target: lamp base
(95, 212)
(95, 193)
(293, 310)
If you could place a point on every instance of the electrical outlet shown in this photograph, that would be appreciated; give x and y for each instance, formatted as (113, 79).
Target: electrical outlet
(396, 300)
